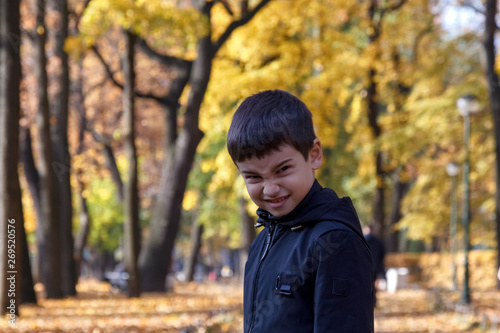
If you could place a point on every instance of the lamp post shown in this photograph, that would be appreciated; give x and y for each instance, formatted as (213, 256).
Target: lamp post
(467, 105)
(452, 169)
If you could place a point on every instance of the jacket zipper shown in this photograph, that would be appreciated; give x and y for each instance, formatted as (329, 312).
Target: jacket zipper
(269, 240)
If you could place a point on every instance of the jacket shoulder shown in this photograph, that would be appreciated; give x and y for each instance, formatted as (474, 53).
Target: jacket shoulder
(337, 230)
(323, 227)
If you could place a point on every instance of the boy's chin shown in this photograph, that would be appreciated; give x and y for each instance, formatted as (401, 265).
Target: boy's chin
(279, 212)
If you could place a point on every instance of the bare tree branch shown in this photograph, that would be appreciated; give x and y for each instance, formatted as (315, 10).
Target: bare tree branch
(417, 41)
(244, 7)
(236, 24)
(162, 100)
(80, 15)
(162, 58)
(269, 60)
(469, 4)
(395, 6)
(110, 157)
(30, 34)
(227, 7)
(389, 9)
(106, 67)
(377, 24)
(98, 137)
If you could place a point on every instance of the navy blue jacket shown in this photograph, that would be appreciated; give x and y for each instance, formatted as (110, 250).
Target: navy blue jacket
(310, 270)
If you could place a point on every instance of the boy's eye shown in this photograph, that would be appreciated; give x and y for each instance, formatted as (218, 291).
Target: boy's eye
(283, 169)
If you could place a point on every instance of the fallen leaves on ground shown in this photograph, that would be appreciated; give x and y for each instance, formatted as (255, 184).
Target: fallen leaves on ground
(217, 307)
(436, 311)
(207, 307)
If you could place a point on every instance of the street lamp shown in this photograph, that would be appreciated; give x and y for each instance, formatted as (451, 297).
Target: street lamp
(467, 105)
(452, 169)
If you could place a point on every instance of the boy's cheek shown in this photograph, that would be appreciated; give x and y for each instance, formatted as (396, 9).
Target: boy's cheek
(251, 188)
(254, 196)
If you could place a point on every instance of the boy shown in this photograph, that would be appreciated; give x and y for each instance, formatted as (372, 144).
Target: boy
(310, 270)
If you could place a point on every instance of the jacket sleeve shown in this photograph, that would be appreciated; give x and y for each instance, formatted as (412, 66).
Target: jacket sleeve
(343, 299)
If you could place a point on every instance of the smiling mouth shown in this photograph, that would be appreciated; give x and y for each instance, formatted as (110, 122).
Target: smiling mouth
(278, 201)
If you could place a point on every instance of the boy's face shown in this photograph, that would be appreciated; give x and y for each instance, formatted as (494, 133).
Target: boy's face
(278, 182)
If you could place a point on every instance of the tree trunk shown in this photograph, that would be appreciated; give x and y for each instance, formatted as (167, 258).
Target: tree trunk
(399, 187)
(113, 169)
(32, 178)
(397, 198)
(376, 16)
(110, 160)
(494, 88)
(379, 197)
(247, 234)
(83, 232)
(84, 217)
(62, 160)
(30, 171)
(28, 294)
(11, 210)
(48, 243)
(190, 266)
(156, 258)
(131, 203)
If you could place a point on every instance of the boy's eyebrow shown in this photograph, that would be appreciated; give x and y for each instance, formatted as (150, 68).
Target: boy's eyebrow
(274, 168)
(281, 164)
(248, 172)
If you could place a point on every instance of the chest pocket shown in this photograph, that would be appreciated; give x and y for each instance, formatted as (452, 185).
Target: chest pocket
(286, 284)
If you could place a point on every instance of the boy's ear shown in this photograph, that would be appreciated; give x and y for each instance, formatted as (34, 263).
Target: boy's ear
(316, 154)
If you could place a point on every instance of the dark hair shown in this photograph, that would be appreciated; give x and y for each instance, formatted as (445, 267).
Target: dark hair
(265, 121)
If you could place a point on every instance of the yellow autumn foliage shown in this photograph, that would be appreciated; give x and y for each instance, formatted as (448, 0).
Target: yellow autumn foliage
(190, 200)
(321, 53)
(161, 21)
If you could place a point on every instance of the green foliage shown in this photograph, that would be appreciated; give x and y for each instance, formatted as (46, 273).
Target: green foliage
(218, 206)
(105, 209)
(106, 214)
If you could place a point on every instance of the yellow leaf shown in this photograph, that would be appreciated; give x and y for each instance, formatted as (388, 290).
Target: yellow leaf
(190, 200)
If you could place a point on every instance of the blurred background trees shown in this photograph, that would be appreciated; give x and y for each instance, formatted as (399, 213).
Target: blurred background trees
(124, 108)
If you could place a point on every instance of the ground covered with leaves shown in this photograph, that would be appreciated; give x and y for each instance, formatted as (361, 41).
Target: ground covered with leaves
(97, 308)
(211, 307)
(436, 311)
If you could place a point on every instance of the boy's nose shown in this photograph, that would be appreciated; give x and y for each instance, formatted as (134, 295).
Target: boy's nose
(271, 189)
